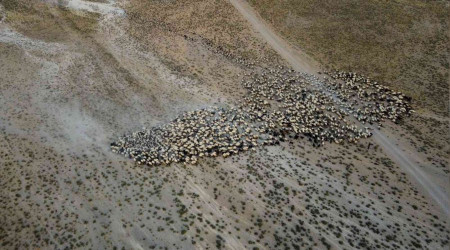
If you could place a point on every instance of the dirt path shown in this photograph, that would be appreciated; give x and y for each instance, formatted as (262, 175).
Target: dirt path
(437, 193)
(300, 62)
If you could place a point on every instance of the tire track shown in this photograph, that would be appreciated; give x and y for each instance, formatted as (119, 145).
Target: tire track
(300, 62)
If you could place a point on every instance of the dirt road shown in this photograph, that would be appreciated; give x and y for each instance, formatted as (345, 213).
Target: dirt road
(300, 62)
(437, 193)
(68, 91)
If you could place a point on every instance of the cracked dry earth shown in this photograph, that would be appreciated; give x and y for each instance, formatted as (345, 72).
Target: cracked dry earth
(66, 95)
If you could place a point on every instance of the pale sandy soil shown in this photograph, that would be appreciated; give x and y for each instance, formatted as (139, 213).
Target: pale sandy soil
(438, 191)
(65, 97)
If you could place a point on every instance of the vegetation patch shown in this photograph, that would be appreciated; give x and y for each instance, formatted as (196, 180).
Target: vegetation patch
(403, 43)
(45, 22)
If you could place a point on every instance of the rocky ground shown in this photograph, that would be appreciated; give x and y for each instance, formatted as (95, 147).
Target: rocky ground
(77, 75)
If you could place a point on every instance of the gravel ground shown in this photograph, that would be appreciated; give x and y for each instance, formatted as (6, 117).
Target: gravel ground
(68, 93)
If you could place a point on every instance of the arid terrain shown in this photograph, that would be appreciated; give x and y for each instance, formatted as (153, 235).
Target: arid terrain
(205, 124)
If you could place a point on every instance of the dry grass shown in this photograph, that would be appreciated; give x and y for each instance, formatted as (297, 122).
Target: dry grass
(215, 21)
(30, 17)
(98, 1)
(45, 22)
(403, 43)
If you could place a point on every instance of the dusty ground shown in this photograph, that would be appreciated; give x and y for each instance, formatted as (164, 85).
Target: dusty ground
(74, 75)
(401, 43)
